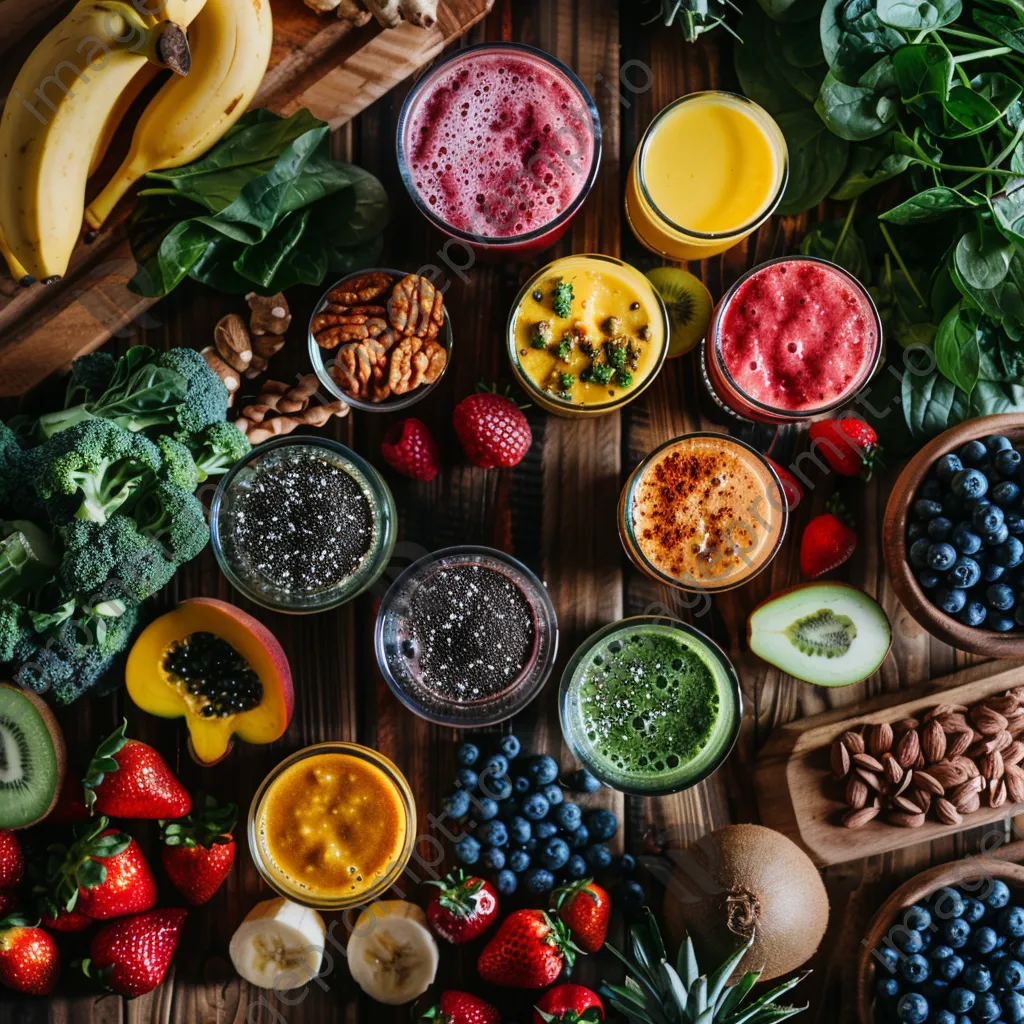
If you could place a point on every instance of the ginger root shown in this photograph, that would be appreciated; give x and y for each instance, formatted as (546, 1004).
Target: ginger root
(281, 408)
(389, 13)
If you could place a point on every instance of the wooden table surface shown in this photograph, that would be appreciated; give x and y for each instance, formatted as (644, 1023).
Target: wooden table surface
(556, 512)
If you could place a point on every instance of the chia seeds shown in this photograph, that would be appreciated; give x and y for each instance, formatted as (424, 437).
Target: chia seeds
(473, 630)
(212, 671)
(305, 523)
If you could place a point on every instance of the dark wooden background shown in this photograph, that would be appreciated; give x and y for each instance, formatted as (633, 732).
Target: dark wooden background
(556, 512)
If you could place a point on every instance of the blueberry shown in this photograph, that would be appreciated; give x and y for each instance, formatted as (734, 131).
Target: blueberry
(486, 808)
(956, 932)
(912, 1008)
(584, 782)
(466, 754)
(965, 540)
(946, 903)
(497, 787)
(1017, 949)
(986, 1009)
(914, 531)
(627, 863)
(941, 557)
(467, 850)
(496, 764)
(890, 958)
(579, 838)
(630, 896)
(494, 833)
(925, 509)
(949, 599)
(1010, 973)
(983, 940)
(494, 858)
(1013, 1007)
(966, 572)
(521, 785)
(1007, 462)
(1011, 922)
(575, 867)
(539, 880)
(972, 614)
(947, 466)
(1006, 493)
(907, 940)
(545, 829)
(940, 952)
(950, 968)
(518, 861)
(553, 794)
(990, 572)
(977, 977)
(969, 483)
(542, 770)
(567, 816)
(996, 537)
(519, 830)
(961, 1000)
(942, 1017)
(467, 778)
(972, 453)
(996, 443)
(999, 623)
(919, 553)
(457, 804)
(507, 883)
(999, 597)
(997, 896)
(917, 917)
(1010, 553)
(915, 969)
(974, 910)
(1014, 522)
(509, 746)
(987, 519)
(554, 854)
(602, 824)
(887, 987)
(939, 528)
(598, 855)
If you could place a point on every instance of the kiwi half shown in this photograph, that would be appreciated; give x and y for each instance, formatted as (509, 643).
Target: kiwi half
(32, 758)
(688, 303)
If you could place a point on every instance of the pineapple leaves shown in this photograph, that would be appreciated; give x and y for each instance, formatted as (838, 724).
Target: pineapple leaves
(676, 990)
(697, 1002)
(721, 977)
(686, 963)
(734, 995)
(762, 1012)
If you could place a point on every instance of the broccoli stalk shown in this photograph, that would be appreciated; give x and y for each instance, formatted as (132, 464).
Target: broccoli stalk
(217, 448)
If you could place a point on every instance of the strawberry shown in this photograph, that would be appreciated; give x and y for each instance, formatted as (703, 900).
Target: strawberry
(198, 852)
(462, 909)
(828, 541)
(568, 1004)
(29, 959)
(791, 490)
(12, 860)
(850, 445)
(66, 921)
(410, 449)
(461, 1008)
(584, 908)
(70, 807)
(131, 956)
(492, 429)
(528, 950)
(102, 873)
(129, 779)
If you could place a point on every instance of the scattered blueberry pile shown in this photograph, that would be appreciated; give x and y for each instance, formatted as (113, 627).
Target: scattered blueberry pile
(956, 958)
(965, 535)
(518, 824)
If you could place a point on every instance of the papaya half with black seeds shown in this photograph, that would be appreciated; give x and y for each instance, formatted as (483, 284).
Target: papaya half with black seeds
(220, 669)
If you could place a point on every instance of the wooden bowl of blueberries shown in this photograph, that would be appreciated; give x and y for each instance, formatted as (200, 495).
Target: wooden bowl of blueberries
(953, 537)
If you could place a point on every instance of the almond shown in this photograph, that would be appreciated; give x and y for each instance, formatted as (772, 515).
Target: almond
(859, 818)
(902, 803)
(953, 723)
(872, 780)
(970, 804)
(919, 761)
(922, 780)
(961, 741)
(908, 777)
(921, 797)
(997, 793)
(991, 766)
(946, 812)
(933, 741)
(905, 725)
(839, 758)
(908, 748)
(904, 820)
(1015, 783)
(966, 789)
(1016, 725)
(1005, 705)
(892, 768)
(968, 766)
(880, 738)
(987, 721)
(941, 710)
(949, 773)
(872, 764)
(856, 793)
(1014, 753)
(1000, 741)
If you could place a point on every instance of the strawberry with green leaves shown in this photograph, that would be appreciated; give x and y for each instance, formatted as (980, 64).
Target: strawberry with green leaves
(457, 1007)
(129, 779)
(828, 540)
(29, 959)
(584, 908)
(568, 1004)
(529, 950)
(849, 445)
(462, 909)
(198, 852)
(130, 956)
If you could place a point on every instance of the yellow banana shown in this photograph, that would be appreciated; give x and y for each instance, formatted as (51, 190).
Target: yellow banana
(18, 272)
(53, 116)
(230, 47)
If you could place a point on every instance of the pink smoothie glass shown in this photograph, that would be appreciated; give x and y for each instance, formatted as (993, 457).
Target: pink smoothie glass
(499, 145)
(793, 339)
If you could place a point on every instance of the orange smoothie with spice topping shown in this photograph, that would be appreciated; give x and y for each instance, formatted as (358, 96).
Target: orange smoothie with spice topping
(332, 826)
(702, 512)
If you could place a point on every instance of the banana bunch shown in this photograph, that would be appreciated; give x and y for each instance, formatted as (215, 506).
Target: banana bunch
(76, 87)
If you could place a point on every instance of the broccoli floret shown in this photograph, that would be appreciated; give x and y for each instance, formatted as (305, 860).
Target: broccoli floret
(90, 377)
(15, 472)
(175, 519)
(15, 628)
(114, 561)
(561, 299)
(217, 448)
(206, 398)
(179, 467)
(97, 464)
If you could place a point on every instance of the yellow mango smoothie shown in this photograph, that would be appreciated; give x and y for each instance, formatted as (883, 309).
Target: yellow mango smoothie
(332, 825)
(586, 335)
(710, 168)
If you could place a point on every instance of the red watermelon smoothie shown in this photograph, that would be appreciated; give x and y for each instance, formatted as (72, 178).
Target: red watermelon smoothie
(793, 338)
(499, 146)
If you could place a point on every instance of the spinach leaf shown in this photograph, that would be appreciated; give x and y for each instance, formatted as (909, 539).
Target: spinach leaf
(853, 38)
(862, 111)
(923, 73)
(1008, 213)
(1009, 31)
(930, 204)
(918, 15)
(817, 159)
(757, 72)
(931, 402)
(970, 111)
(870, 164)
(989, 271)
(957, 350)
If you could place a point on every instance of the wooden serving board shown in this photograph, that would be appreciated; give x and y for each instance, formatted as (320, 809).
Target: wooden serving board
(316, 62)
(797, 794)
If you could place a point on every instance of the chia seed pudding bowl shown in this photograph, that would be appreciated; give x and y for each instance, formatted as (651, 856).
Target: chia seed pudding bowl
(650, 705)
(302, 524)
(466, 636)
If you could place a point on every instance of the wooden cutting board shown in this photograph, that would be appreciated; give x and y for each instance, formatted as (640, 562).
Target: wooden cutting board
(798, 795)
(316, 62)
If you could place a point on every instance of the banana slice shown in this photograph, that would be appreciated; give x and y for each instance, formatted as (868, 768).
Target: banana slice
(392, 954)
(279, 945)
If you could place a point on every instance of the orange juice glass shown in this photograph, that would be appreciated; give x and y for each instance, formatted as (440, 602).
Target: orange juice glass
(709, 170)
(332, 826)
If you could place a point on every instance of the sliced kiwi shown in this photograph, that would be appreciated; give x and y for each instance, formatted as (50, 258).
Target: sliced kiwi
(31, 758)
(824, 633)
(688, 303)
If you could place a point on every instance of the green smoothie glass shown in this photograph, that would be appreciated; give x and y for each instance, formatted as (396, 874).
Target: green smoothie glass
(650, 705)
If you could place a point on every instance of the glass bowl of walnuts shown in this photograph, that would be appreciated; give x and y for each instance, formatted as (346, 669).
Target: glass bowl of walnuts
(380, 339)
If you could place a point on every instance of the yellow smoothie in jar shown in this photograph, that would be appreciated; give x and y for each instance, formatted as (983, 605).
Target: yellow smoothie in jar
(710, 168)
(587, 334)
